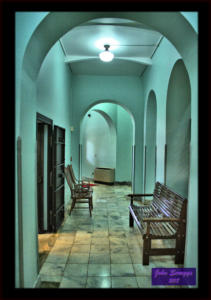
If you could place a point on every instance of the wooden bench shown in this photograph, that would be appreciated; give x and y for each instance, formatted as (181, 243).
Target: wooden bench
(164, 218)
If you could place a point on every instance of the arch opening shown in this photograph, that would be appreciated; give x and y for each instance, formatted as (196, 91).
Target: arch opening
(106, 136)
(178, 122)
(150, 143)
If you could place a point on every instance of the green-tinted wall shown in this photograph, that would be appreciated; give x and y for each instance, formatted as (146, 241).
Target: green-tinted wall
(124, 90)
(25, 23)
(54, 96)
(157, 78)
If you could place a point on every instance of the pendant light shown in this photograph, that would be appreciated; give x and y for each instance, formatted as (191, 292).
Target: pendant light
(106, 55)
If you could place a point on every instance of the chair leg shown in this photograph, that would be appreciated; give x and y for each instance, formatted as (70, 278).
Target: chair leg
(91, 203)
(72, 205)
(90, 206)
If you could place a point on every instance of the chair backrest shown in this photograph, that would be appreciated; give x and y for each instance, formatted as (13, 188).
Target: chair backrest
(68, 177)
(72, 174)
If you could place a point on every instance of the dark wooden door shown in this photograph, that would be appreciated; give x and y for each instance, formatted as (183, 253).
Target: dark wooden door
(40, 138)
(58, 176)
(44, 161)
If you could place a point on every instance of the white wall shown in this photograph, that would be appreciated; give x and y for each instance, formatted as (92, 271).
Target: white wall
(98, 144)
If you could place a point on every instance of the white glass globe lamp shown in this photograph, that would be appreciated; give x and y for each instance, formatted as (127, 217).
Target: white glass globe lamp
(106, 55)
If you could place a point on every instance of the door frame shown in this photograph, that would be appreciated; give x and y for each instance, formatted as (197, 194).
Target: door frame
(46, 121)
(55, 188)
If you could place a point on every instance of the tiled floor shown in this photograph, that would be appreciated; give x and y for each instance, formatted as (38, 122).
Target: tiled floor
(102, 251)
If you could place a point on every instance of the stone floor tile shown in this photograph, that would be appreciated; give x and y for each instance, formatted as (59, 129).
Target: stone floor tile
(52, 269)
(75, 270)
(124, 282)
(119, 249)
(78, 258)
(99, 248)
(98, 282)
(141, 270)
(49, 285)
(125, 270)
(100, 241)
(60, 258)
(120, 258)
(80, 248)
(83, 241)
(145, 282)
(136, 258)
(99, 258)
(73, 282)
(116, 241)
(99, 269)
(51, 278)
(100, 233)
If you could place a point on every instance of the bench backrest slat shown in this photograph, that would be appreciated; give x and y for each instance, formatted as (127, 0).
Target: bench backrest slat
(168, 203)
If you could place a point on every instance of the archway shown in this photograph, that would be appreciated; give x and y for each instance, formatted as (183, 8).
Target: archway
(150, 143)
(98, 142)
(178, 130)
(107, 137)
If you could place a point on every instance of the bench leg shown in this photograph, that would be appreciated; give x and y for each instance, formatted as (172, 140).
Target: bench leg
(131, 221)
(146, 248)
(180, 248)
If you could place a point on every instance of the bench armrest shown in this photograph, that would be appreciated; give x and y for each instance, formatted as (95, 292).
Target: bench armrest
(138, 195)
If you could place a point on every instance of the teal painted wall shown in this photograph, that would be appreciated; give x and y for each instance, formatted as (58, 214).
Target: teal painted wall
(157, 78)
(192, 18)
(110, 109)
(127, 90)
(54, 96)
(149, 155)
(124, 145)
(25, 23)
(178, 130)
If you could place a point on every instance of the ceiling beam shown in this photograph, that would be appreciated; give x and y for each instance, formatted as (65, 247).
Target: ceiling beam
(76, 58)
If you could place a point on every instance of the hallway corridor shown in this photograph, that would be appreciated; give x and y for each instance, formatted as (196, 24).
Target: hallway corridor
(102, 251)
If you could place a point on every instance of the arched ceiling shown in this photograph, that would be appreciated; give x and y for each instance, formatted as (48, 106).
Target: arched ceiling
(132, 44)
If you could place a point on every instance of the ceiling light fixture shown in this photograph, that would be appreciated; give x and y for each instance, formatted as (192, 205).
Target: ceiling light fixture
(106, 55)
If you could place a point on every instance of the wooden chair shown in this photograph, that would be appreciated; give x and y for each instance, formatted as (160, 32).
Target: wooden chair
(79, 193)
(77, 181)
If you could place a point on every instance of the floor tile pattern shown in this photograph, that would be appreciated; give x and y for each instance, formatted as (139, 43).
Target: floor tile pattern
(101, 251)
